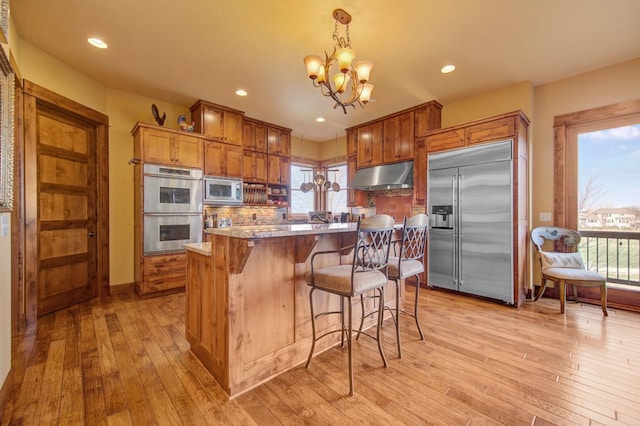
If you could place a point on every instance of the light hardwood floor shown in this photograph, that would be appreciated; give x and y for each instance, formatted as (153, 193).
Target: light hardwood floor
(124, 361)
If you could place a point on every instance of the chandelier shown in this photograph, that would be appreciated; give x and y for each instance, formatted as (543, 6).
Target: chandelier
(349, 85)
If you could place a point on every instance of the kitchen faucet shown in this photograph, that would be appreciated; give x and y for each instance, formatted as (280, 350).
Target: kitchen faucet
(315, 216)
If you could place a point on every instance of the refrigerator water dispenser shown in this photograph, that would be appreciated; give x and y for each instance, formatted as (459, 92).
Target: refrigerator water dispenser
(442, 217)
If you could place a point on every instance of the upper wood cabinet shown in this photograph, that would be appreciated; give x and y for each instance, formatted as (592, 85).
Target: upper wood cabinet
(254, 135)
(492, 129)
(278, 170)
(153, 144)
(279, 141)
(420, 173)
(391, 139)
(218, 122)
(399, 138)
(222, 159)
(254, 166)
(354, 197)
(352, 145)
(369, 145)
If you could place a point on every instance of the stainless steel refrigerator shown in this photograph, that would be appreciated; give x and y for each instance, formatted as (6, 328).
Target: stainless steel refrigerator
(470, 209)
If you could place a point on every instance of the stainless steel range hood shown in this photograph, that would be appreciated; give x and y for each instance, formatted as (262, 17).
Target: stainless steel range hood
(388, 176)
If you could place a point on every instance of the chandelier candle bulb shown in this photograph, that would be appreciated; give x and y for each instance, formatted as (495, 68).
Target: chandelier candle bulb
(345, 57)
(363, 69)
(314, 65)
(365, 94)
(341, 80)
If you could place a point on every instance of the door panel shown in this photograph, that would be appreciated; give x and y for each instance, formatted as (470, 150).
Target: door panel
(66, 182)
(485, 231)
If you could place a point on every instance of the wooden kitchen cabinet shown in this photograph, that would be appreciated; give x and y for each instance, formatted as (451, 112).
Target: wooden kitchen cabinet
(153, 144)
(420, 173)
(355, 197)
(218, 122)
(254, 166)
(449, 139)
(221, 159)
(254, 135)
(399, 138)
(492, 130)
(161, 274)
(279, 141)
(369, 144)
(278, 170)
(352, 145)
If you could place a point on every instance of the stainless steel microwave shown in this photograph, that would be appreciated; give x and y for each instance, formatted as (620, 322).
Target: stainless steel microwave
(222, 190)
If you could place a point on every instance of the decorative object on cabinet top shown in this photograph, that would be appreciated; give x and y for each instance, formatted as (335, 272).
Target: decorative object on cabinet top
(336, 86)
(182, 123)
(156, 115)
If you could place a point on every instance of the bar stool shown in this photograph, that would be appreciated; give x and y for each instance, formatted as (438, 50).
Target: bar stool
(367, 272)
(406, 262)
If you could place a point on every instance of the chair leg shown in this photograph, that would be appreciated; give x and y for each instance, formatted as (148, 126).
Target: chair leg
(342, 322)
(542, 289)
(603, 298)
(398, 317)
(313, 328)
(361, 316)
(415, 307)
(350, 347)
(379, 326)
(563, 295)
(575, 292)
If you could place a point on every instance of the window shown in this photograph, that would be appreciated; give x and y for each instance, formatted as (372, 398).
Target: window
(301, 202)
(608, 176)
(337, 201)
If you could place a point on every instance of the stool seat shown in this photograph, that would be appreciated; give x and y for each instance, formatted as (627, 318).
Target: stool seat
(406, 269)
(338, 279)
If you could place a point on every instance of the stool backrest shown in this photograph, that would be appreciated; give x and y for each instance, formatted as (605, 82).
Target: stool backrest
(373, 242)
(414, 237)
(568, 237)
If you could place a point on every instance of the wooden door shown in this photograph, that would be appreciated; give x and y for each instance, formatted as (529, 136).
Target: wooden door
(213, 159)
(187, 151)
(66, 199)
(157, 146)
(66, 179)
(233, 161)
(233, 128)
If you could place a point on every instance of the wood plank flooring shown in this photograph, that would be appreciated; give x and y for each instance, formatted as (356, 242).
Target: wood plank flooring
(125, 361)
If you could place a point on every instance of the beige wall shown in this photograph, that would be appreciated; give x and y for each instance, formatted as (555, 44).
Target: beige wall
(5, 296)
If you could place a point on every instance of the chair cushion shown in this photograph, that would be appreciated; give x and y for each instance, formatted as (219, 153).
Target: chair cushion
(573, 274)
(561, 260)
(338, 279)
(409, 268)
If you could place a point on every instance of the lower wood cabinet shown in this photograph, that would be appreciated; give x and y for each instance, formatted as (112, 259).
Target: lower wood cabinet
(163, 273)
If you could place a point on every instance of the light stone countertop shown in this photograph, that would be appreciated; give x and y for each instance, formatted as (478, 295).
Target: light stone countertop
(273, 231)
(201, 248)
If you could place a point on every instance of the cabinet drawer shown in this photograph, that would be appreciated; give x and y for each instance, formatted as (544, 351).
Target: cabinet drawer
(165, 265)
(504, 128)
(157, 285)
(445, 140)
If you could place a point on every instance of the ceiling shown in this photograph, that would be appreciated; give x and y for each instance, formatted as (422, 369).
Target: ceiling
(179, 52)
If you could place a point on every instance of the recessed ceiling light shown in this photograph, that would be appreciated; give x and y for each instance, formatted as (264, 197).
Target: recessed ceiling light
(241, 92)
(320, 119)
(96, 42)
(447, 69)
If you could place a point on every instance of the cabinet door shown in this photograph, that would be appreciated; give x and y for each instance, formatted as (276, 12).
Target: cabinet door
(351, 143)
(354, 197)
(248, 135)
(260, 171)
(285, 171)
(370, 145)
(232, 128)
(213, 159)
(494, 130)
(260, 142)
(420, 173)
(399, 138)
(187, 151)
(284, 142)
(273, 141)
(445, 140)
(157, 146)
(273, 169)
(248, 166)
(233, 155)
(212, 122)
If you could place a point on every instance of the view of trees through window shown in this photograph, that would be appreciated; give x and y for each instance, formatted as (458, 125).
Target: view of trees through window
(301, 200)
(608, 177)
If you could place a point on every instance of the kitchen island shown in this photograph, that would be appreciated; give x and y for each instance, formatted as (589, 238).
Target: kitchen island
(247, 313)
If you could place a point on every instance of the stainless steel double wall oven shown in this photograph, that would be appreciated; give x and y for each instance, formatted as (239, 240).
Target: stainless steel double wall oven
(172, 208)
